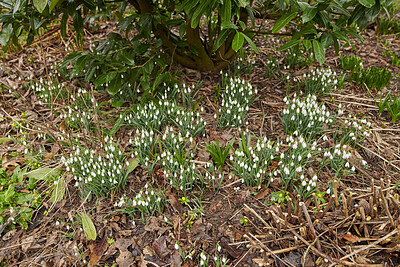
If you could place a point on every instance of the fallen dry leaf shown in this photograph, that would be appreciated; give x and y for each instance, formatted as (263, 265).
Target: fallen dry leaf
(97, 249)
(160, 247)
(350, 237)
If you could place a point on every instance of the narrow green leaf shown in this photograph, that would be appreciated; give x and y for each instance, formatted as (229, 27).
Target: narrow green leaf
(319, 52)
(4, 140)
(237, 42)
(289, 44)
(40, 5)
(367, 3)
(43, 173)
(226, 10)
(251, 43)
(283, 21)
(88, 227)
(58, 191)
(132, 165)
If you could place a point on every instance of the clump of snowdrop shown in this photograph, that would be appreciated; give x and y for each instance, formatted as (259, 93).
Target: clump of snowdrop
(49, 90)
(81, 113)
(270, 67)
(352, 131)
(190, 123)
(250, 163)
(292, 162)
(306, 186)
(98, 172)
(203, 260)
(220, 261)
(151, 116)
(145, 143)
(305, 117)
(148, 202)
(176, 159)
(236, 100)
(338, 159)
(320, 81)
(212, 176)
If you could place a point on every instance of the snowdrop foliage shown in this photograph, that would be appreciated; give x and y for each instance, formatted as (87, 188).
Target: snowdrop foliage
(320, 81)
(99, 173)
(305, 117)
(147, 202)
(338, 159)
(151, 116)
(293, 161)
(81, 113)
(145, 142)
(251, 163)
(236, 100)
(353, 131)
(190, 123)
(176, 159)
(48, 90)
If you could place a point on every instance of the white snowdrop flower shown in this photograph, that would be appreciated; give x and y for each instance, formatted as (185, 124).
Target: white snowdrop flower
(364, 162)
(353, 168)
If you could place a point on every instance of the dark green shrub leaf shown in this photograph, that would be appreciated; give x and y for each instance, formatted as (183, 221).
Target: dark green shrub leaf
(319, 52)
(40, 5)
(367, 3)
(283, 21)
(237, 42)
(290, 44)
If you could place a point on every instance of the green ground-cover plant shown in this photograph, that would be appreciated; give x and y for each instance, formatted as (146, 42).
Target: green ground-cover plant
(353, 64)
(395, 59)
(219, 153)
(271, 67)
(49, 91)
(387, 26)
(391, 105)
(375, 78)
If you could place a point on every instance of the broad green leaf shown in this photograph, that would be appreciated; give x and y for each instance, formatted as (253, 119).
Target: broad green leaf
(228, 25)
(5, 34)
(4, 140)
(283, 21)
(43, 173)
(115, 85)
(309, 13)
(105, 78)
(251, 43)
(307, 44)
(289, 44)
(237, 42)
(53, 4)
(367, 3)
(88, 227)
(40, 5)
(132, 165)
(319, 52)
(58, 191)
